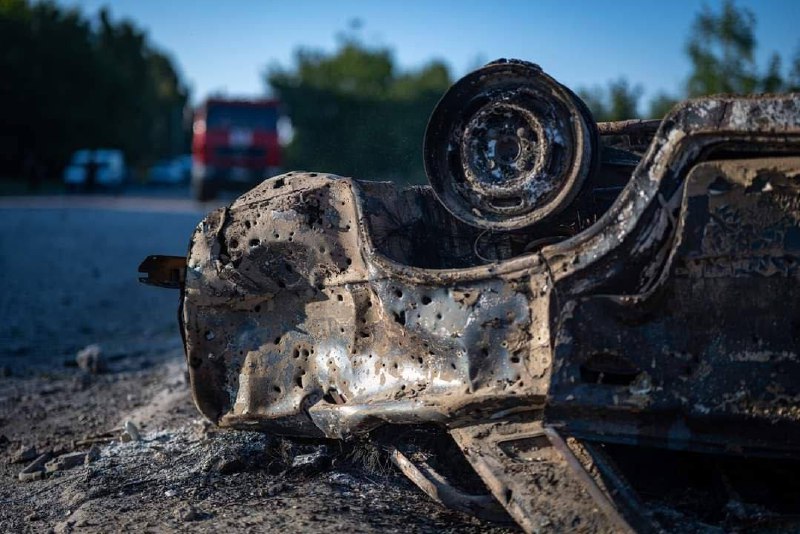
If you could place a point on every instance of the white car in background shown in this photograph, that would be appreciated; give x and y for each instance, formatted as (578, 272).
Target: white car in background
(90, 168)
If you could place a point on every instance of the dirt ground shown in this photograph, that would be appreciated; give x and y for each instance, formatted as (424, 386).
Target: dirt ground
(70, 281)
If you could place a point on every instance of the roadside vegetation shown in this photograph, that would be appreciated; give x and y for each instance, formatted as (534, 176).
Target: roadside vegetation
(70, 81)
(721, 49)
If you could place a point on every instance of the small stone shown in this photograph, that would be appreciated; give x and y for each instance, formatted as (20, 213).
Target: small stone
(91, 360)
(92, 454)
(186, 512)
(132, 433)
(35, 470)
(65, 462)
(274, 489)
(314, 461)
(23, 454)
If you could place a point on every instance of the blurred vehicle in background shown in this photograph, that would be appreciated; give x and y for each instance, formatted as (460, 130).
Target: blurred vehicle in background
(174, 171)
(234, 145)
(92, 168)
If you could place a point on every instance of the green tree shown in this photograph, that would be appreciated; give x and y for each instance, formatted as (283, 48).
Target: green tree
(354, 113)
(721, 49)
(618, 101)
(661, 104)
(67, 83)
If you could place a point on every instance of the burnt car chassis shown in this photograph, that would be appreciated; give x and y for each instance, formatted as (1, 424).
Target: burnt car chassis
(548, 300)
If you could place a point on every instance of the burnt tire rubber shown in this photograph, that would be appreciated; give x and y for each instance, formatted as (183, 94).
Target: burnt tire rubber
(508, 146)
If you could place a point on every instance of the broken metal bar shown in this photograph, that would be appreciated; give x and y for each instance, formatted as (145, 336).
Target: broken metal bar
(437, 488)
(600, 498)
(629, 127)
(163, 271)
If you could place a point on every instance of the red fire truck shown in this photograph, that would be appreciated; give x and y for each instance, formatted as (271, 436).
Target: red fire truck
(234, 145)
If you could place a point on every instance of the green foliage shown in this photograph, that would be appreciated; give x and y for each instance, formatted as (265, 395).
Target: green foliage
(660, 105)
(721, 49)
(618, 101)
(354, 114)
(69, 83)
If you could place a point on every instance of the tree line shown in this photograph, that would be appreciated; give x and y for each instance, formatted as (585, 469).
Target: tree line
(69, 82)
(355, 114)
(721, 49)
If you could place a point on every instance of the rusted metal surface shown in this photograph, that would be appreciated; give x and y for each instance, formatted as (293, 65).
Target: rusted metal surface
(636, 127)
(646, 302)
(536, 477)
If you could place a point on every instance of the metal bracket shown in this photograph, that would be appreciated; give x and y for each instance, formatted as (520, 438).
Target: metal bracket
(163, 271)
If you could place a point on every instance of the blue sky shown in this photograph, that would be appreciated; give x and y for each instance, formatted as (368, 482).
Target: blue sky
(227, 45)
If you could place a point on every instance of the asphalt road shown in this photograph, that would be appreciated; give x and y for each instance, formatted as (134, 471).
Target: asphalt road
(69, 276)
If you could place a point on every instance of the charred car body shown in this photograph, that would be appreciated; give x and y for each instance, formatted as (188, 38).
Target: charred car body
(548, 300)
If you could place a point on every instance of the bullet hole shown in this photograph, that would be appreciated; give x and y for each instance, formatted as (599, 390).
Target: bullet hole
(257, 308)
(438, 315)
(398, 293)
(453, 365)
(426, 300)
(276, 236)
(234, 243)
(278, 183)
(348, 261)
(400, 318)
(255, 242)
(247, 224)
(278, 340)
(276, 389)
(313, 175)
(288, 267)
(340, 298)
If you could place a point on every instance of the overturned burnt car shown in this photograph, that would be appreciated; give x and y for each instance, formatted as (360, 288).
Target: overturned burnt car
(595, 313)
